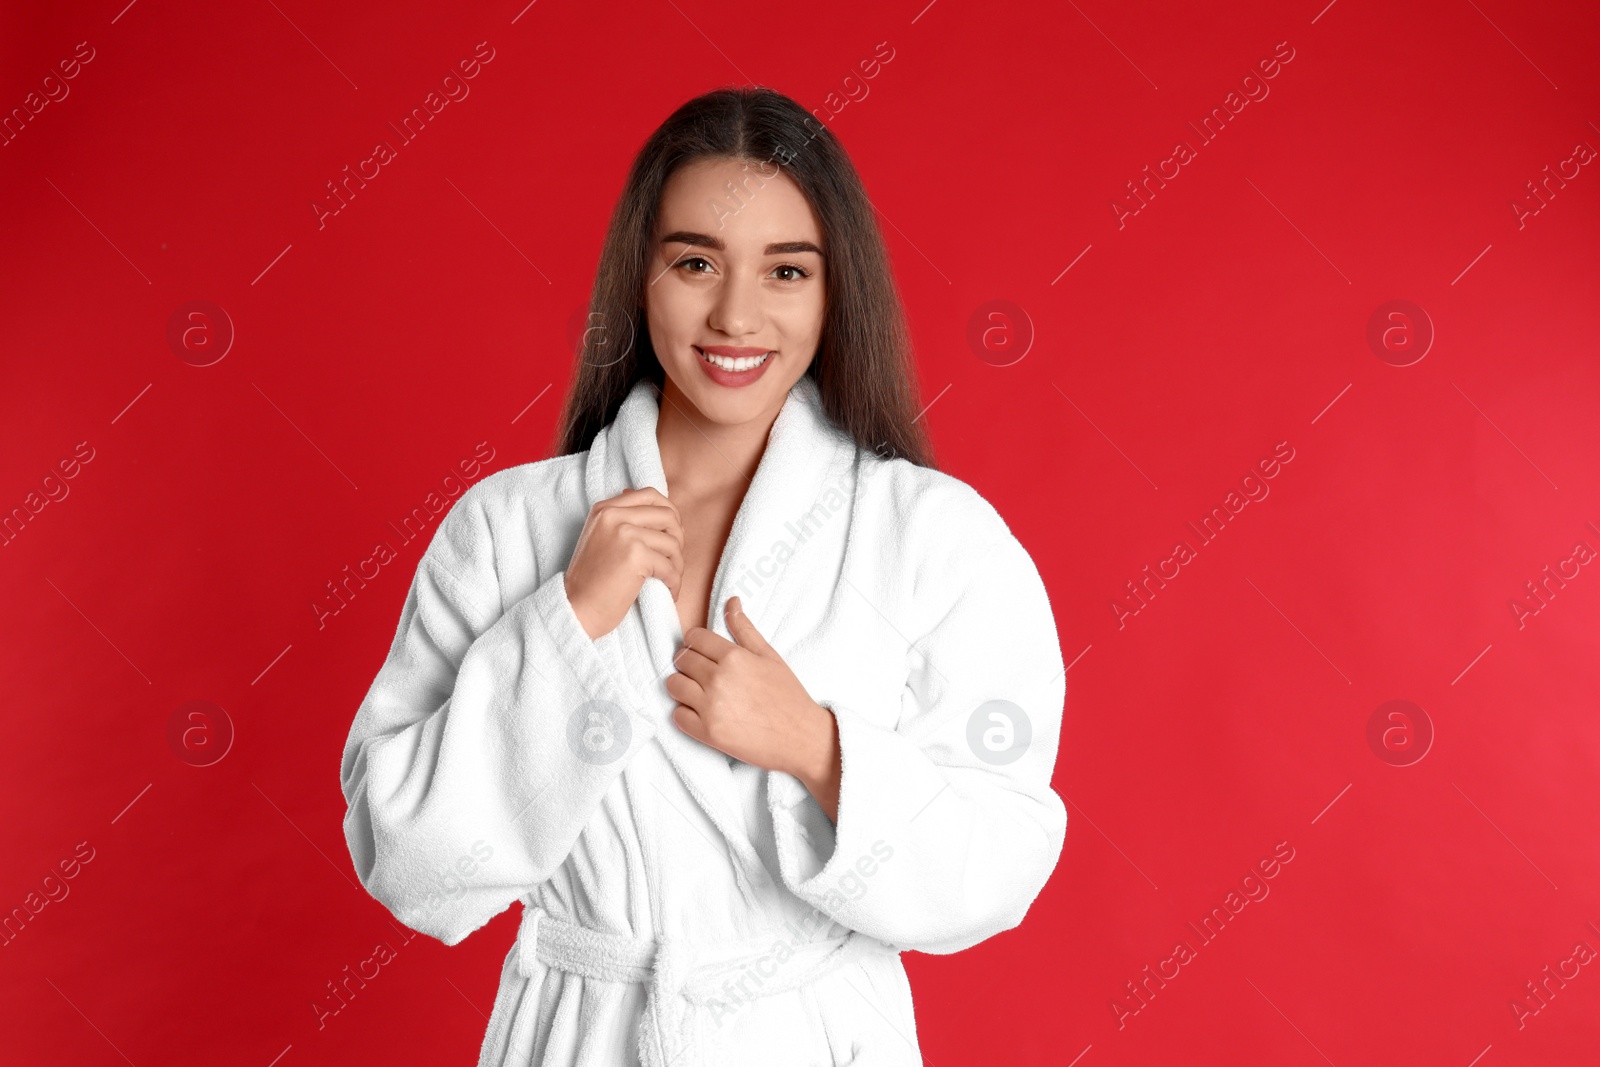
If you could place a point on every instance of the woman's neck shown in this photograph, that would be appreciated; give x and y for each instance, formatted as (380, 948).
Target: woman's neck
(699, 456)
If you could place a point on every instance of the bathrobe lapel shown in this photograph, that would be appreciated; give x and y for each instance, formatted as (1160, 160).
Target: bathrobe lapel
(804, 452)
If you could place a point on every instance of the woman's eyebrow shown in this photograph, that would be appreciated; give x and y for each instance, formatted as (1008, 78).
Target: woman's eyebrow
(778, 248)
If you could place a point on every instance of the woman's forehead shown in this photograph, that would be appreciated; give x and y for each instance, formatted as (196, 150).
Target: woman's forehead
(747, 209)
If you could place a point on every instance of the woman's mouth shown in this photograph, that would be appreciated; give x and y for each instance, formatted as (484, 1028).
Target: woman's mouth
(732, 371)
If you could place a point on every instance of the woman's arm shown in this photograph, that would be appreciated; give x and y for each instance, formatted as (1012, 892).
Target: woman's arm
(819, 763)
(484, 743)
(947, 828)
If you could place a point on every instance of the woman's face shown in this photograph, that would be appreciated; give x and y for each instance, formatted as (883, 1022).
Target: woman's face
(734, 269)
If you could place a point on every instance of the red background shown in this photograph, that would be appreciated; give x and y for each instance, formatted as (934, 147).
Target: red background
(1228, 315)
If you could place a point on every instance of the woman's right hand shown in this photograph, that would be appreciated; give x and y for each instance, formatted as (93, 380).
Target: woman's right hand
(627, 538)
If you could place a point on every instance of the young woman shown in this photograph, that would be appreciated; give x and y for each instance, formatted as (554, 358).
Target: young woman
(736, 745)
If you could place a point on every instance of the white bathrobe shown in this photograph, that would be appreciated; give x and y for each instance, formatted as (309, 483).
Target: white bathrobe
(681, 907)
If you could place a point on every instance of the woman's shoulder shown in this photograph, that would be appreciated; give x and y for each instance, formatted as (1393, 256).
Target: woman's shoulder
(513, 486)
(932, 511)
(515, 505)
(939, 539)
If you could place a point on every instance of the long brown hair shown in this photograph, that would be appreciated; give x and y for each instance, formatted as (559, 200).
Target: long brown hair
(863, 367)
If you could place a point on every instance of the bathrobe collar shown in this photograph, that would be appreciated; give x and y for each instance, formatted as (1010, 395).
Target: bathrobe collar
(805, 453)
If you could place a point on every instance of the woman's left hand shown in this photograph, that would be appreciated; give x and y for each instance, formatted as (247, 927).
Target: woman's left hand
(742, 699)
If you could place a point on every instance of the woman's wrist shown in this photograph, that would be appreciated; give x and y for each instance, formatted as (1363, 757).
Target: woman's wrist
(588, 628)
(818, 765)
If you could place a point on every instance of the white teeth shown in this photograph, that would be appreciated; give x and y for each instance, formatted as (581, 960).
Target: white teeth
(734, 364)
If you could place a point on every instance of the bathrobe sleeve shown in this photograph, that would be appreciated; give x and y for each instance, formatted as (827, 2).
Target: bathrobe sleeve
(484, 743)
(947, 826)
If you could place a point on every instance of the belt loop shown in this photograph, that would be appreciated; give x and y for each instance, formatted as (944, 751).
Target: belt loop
(525, 1015)
(528, 939)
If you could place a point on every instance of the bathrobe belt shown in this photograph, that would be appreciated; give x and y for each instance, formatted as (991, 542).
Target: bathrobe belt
(688, 981)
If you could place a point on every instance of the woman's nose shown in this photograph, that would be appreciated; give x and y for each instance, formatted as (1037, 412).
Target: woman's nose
(737, 311)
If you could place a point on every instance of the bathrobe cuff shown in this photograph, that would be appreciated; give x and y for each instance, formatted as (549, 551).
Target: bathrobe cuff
(484, 746)
(918, 861)
(947, 826)
(574, 645)
(884, 780)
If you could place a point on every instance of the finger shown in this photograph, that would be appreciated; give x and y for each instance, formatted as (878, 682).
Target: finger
(646, 497)
(659, 542)
(643, 492)
(649, 516)
(689, 721)
(743, 630)
(708, 643)
(664, 557)
(655, 516)
(694, 665)
(685, 690)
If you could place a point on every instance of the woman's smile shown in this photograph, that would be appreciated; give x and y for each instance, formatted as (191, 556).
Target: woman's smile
(732, 367)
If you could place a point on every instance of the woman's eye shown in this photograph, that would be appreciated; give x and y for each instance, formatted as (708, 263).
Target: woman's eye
(797, 274)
